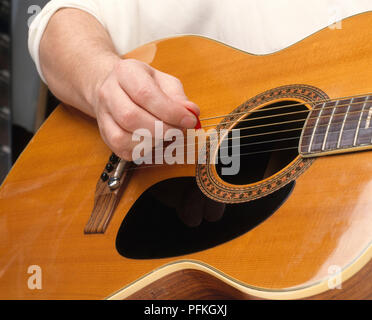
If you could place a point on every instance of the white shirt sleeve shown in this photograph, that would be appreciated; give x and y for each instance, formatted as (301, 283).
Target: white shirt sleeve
(40, 23)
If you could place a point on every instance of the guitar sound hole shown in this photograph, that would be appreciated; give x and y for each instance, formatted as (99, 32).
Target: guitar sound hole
(269, 141)
(152, 228)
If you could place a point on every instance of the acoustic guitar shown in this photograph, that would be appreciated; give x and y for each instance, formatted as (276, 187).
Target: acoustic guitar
(296, 221)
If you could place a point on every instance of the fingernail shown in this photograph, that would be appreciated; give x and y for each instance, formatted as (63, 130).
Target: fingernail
(197, 125)
(188, 122)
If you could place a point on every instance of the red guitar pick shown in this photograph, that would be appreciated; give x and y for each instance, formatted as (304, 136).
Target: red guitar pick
(198, 124)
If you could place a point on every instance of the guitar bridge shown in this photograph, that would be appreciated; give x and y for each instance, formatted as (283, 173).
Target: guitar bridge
(108, 191)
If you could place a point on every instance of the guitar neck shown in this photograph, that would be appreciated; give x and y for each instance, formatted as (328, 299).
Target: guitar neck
(338, 126)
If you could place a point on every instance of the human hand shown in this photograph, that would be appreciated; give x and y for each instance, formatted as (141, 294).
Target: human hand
(135, 95)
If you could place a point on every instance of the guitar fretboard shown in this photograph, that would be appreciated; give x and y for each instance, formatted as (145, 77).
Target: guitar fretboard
(337, 127)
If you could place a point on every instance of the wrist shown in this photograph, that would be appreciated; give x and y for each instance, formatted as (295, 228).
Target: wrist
(103, 66)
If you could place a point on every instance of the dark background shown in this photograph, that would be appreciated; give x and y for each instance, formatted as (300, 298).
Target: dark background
(25, 102)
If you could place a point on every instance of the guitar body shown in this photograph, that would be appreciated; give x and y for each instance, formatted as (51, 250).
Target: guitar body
(322, 224)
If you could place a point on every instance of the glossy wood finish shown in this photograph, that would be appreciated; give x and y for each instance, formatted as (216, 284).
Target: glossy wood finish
(203, 286)
(196, 285)
(48, 197)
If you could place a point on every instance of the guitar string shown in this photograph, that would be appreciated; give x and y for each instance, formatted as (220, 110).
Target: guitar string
(299, 120)
(145, 166)
(368, 95)
(266, 141)
(233, 155)
(289, 130)
(296, 112)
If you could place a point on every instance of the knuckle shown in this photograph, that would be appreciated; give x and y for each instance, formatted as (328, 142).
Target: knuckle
(143, 91)
(102, 94)
(128, 116)
(122, 68)
(126, 65)
(130, 61)
(136, 64)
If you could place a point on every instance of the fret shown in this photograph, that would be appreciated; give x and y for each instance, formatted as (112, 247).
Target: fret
(368, 122)
(321, 130)
(352, 121)
(359, 122)
(343, 125)
(315, 127)
(335, 125)
(365, 130)
(329, 126)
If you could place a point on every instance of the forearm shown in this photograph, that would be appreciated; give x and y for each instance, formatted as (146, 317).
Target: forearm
(76, 56)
